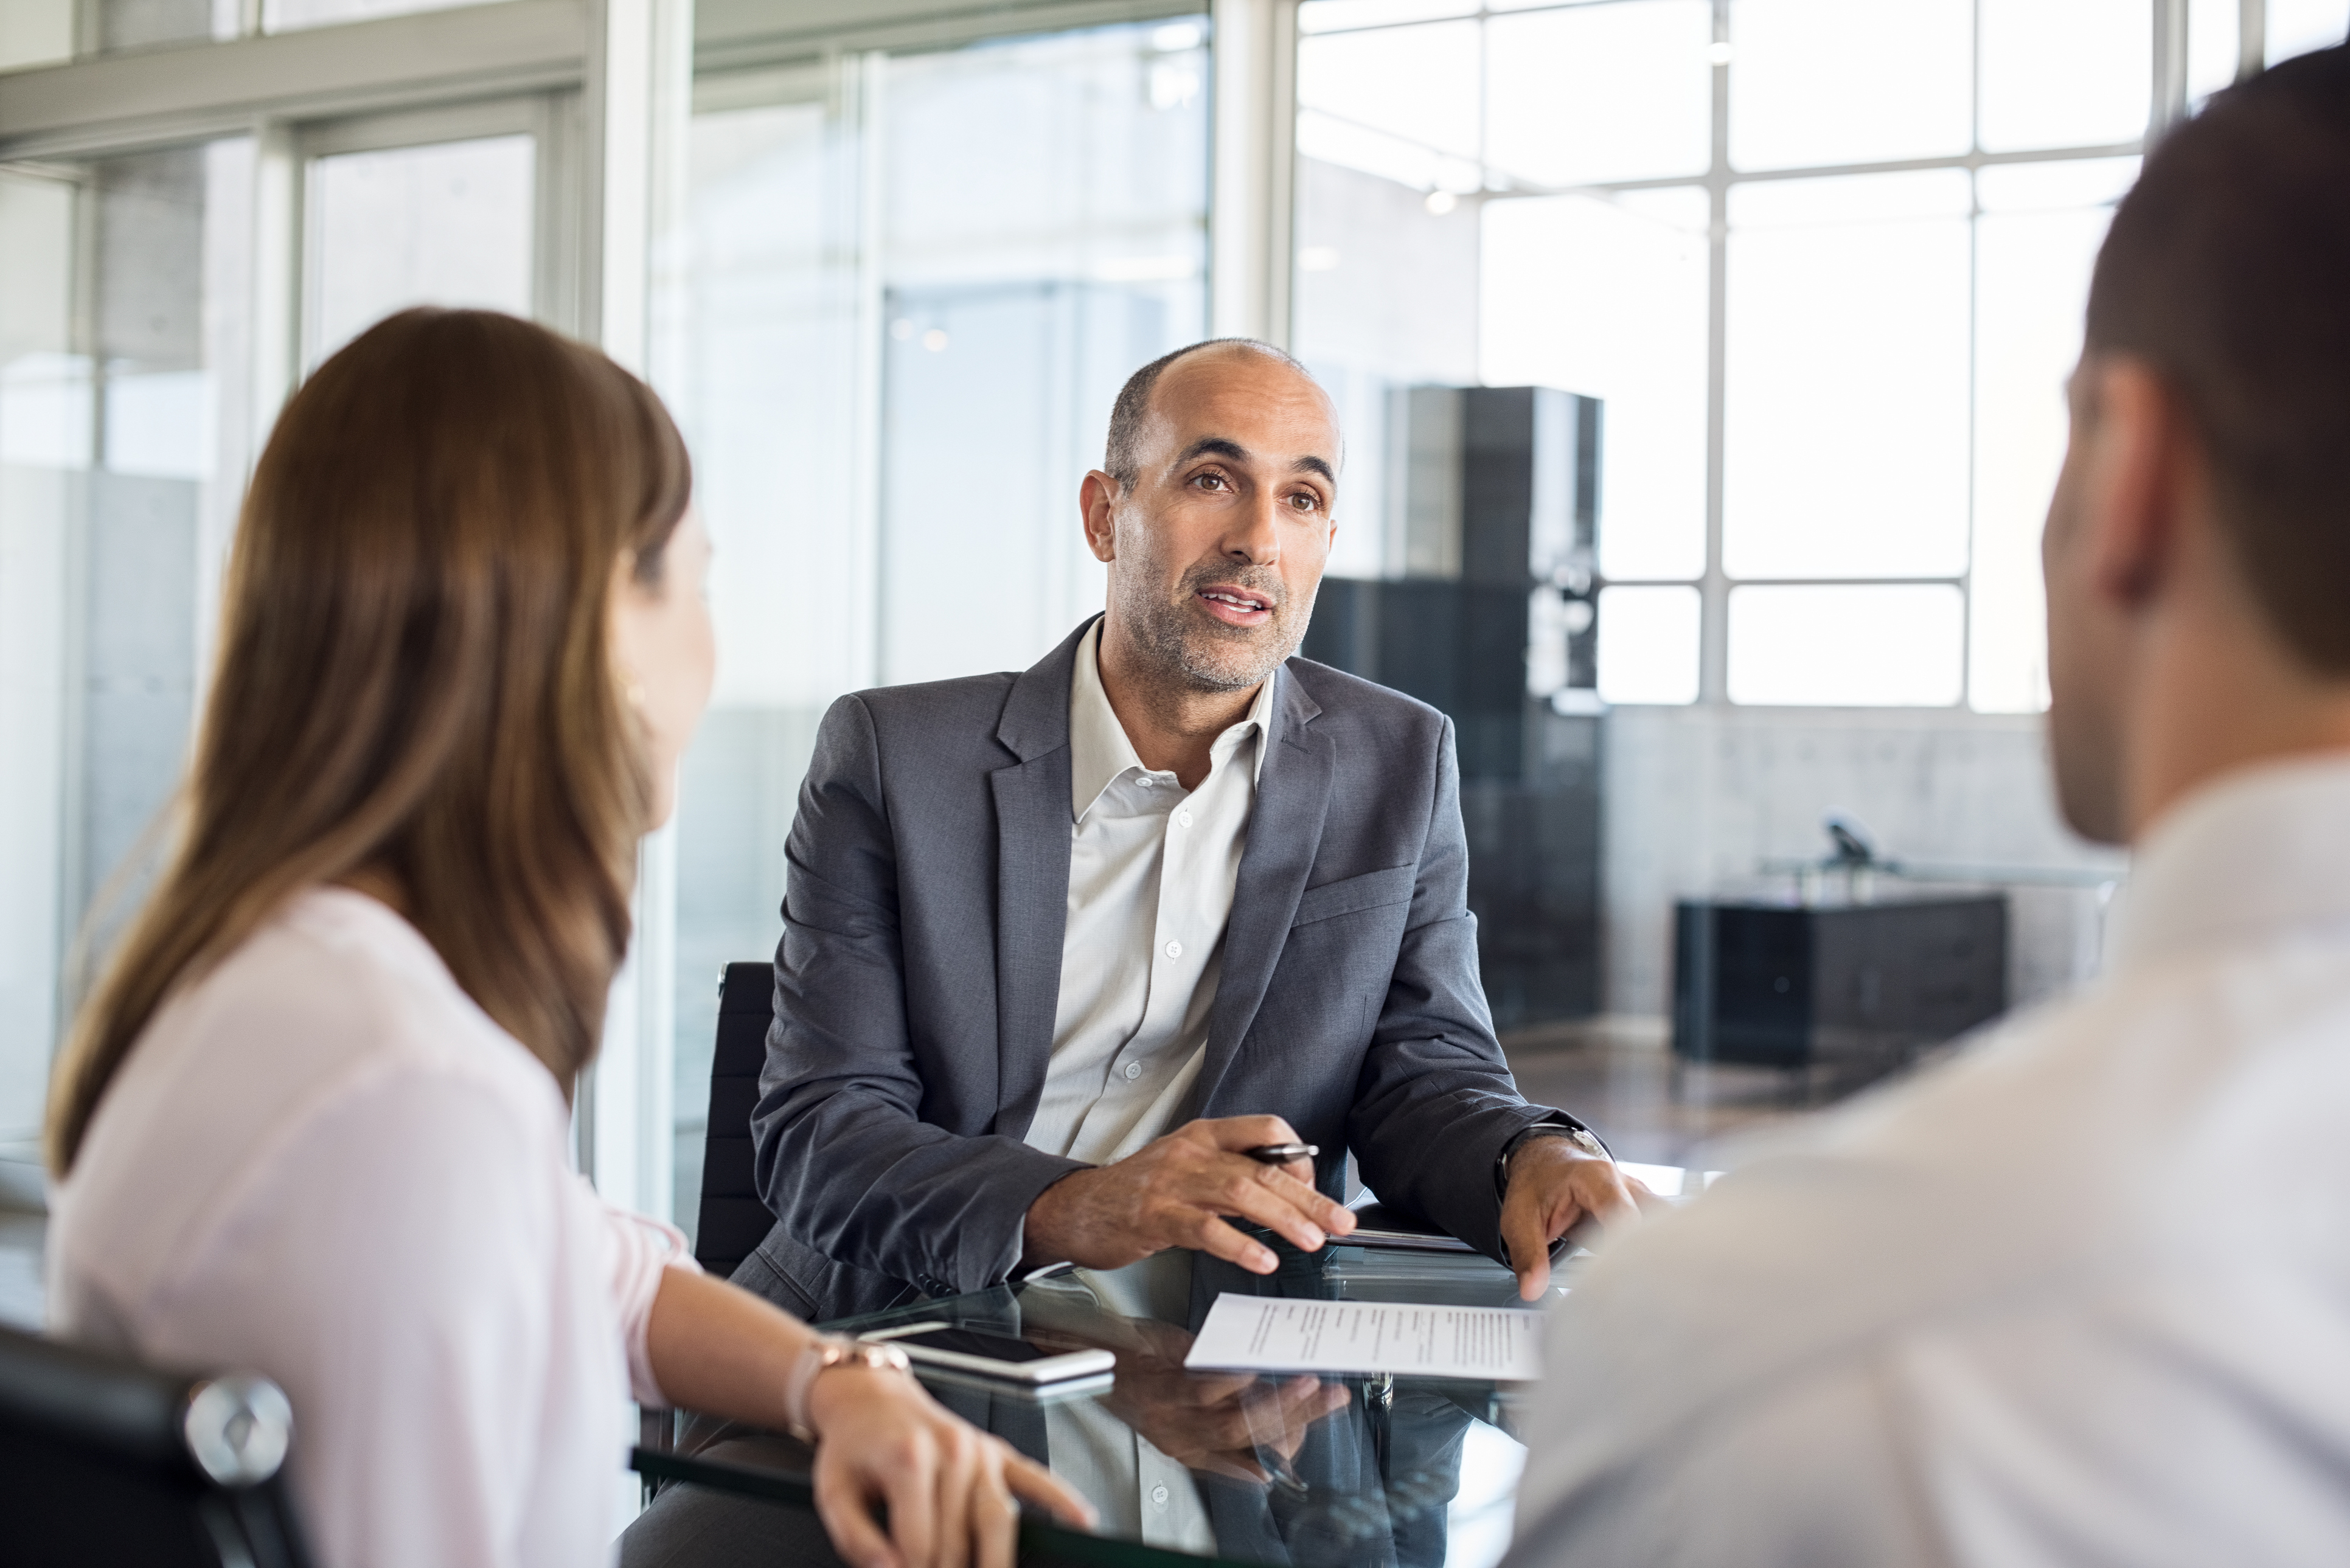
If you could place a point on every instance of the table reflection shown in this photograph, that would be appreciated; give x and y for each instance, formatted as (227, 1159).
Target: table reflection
(1303, 1470)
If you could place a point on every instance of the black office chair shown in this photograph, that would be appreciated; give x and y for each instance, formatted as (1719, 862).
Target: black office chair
(105, 1461)
(734, 1219)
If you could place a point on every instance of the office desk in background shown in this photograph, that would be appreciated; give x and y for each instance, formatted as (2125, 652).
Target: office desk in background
(1409, 1473)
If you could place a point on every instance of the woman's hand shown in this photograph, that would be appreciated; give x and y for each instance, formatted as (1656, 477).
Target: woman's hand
(949, 1488)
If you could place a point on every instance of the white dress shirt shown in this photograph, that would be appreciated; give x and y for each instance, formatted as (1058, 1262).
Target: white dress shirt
(1151, 874)
(2081, 1296)
(322, 1162)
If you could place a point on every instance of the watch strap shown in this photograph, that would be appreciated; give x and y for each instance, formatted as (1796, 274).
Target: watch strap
(1566, 1128)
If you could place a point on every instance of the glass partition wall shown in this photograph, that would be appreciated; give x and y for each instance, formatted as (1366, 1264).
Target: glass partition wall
(161, 288)
(125, 346)
(890, 284)
(905, 290)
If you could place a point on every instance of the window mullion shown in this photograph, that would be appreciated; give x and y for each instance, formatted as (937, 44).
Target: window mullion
(1714, 660)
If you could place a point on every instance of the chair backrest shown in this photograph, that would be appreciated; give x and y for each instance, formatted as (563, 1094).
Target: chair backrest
(734, 1219)
(107, 1461)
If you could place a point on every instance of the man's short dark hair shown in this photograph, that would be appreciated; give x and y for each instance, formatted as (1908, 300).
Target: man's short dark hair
(1120, 459)
(2227, 269)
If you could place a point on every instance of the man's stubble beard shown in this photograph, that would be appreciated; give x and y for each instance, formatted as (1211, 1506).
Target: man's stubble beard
(1201, 654)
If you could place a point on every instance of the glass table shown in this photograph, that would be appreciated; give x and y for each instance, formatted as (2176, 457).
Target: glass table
(1184, 1466)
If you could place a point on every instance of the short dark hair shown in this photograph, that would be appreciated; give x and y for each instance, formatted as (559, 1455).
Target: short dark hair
(1120, 459)
(2227, 269)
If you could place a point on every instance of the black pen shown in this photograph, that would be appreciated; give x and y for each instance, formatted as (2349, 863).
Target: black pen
(1282, 1152)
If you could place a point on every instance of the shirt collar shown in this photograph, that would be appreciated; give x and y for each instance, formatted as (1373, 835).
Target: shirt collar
(1098, 748)
(2259, 850)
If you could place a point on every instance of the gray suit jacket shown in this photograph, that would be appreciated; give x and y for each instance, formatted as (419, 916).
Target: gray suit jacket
(920, 972)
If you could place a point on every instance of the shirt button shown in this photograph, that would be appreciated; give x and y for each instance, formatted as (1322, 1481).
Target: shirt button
(1148, 781)
(1174, 950)
(1184, 819)
(1134, 1070)
(1159, 1495)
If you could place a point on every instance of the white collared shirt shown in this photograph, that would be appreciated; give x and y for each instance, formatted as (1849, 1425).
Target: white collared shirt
(2081, 1296)
(1151, 875)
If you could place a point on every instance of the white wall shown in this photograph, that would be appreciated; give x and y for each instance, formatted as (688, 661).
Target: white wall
(1696, 797)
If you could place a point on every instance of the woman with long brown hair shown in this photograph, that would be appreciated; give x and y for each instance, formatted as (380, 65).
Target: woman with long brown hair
(313, 1121)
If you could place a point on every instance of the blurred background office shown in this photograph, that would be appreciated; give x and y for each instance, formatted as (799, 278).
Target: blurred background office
(1816, 265)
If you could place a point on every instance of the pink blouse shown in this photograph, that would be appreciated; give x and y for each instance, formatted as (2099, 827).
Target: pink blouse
(323, 1163)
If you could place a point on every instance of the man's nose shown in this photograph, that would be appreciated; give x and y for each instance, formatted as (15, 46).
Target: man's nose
(1256, 532)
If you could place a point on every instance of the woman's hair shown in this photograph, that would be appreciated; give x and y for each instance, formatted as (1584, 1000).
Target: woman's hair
(415, 679)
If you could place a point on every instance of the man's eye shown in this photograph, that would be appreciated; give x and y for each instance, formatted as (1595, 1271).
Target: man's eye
(1214, 479)
(1306, 501)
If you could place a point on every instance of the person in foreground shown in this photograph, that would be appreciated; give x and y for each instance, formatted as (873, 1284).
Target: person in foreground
(2028, 1309)
(313, 1121)
(1060, 946)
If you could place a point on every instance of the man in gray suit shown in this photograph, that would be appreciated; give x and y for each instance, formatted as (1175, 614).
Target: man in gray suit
(1060, 946)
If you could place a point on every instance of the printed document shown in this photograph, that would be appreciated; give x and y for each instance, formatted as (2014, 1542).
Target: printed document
(1274, 1334)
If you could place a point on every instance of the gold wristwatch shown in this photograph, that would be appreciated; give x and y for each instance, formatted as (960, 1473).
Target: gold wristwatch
(830, 1350)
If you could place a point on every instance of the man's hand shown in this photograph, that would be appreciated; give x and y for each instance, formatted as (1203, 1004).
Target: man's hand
(1553, 1188)
(1177, 1193)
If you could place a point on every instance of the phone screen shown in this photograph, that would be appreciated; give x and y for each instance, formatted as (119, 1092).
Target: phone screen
(972, 1342)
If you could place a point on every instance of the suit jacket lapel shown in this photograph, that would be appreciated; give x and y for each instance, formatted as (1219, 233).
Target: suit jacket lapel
(1032, 880)
(1292, 791)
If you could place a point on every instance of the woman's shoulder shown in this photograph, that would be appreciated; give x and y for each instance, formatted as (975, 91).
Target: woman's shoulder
(333, 1035)
(340, 982)
(336, 999)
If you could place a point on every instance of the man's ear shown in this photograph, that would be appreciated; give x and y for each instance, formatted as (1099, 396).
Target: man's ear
(1098, 500)
(2132, 487)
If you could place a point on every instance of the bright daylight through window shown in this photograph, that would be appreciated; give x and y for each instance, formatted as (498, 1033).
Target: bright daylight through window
(1831, 345)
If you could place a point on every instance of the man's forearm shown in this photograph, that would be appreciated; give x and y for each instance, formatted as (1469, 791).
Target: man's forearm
(1048, 1229)
(868, 1186)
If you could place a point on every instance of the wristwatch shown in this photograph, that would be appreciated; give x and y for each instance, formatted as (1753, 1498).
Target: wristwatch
(828, 1350)
(1575, 1133)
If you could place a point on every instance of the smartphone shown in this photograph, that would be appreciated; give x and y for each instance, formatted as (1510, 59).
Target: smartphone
(991, 1355)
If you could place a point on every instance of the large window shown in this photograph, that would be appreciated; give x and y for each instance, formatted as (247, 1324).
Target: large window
(1823, 259)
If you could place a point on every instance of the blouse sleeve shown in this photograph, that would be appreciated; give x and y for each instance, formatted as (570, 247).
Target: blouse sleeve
(639, 1249)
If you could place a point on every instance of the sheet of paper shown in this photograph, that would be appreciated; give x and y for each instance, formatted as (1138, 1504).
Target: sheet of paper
(1274, 1334)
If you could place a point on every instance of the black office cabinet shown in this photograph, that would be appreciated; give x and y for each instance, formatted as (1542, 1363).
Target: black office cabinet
(1507, 491)
(1841, 985)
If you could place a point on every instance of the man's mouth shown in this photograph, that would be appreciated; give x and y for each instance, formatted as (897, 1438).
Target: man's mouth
(1235, 605)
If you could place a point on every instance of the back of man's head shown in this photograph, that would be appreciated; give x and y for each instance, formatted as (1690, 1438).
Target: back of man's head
(2228, 270)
